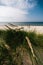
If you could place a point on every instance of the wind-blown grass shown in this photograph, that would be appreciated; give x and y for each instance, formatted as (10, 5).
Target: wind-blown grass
(36, 39)
(18, 49)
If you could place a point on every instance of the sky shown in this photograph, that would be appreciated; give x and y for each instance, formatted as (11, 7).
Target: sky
(21, 10)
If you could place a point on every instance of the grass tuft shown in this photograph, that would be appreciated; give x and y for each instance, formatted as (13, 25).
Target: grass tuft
(19, 51)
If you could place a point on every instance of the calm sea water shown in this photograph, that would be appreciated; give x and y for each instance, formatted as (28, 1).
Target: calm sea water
(22, 23)
(28, 23)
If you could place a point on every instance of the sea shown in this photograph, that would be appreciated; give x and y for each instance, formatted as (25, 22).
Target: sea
(22, 23)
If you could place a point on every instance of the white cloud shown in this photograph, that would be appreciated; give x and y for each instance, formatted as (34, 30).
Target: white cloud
(15, 10)
(11, 14)
(8, 2)
(22, 4)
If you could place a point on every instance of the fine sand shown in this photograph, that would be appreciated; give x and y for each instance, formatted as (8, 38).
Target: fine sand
(37, 29)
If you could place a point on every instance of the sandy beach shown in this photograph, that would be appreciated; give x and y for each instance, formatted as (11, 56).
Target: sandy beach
(37, 29)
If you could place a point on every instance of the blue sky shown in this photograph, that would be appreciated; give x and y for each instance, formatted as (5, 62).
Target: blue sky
(21, 10)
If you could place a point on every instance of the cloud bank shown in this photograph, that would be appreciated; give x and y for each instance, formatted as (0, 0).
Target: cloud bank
(15, 10)
(11, 14)
(22, 4)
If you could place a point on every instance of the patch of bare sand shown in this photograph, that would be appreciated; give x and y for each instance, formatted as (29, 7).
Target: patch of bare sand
(37, 29)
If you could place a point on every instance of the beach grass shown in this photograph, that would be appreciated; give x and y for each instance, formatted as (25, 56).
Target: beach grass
(14, 49)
